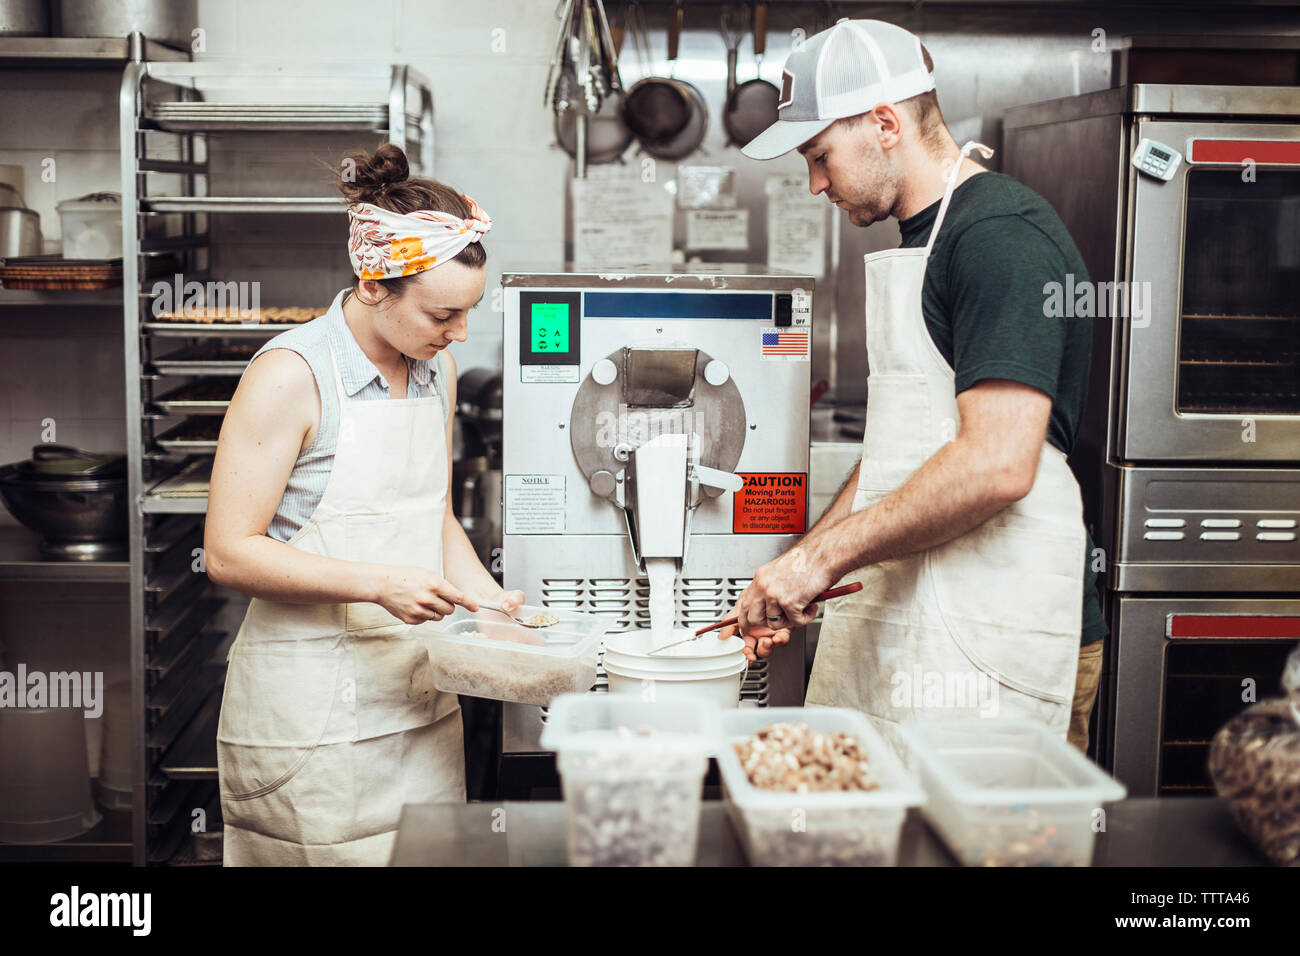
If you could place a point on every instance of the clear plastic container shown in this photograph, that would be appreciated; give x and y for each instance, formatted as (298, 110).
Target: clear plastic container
(632, 772)
(92, 226)
(486, 655)
(1009, 792)
(822, 828)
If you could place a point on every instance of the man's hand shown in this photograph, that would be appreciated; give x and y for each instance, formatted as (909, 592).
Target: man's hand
(759, 641)
(778, 600)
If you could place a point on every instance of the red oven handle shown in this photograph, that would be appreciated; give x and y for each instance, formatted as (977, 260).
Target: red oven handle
(1268, 152)
(1232, 625)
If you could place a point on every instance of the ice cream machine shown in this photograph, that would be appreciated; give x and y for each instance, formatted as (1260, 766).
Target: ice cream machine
(653, 414)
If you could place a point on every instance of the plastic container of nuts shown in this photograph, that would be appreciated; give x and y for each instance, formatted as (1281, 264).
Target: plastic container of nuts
(487, 655)
(829, 746)
(1009, 792)
(632, 772)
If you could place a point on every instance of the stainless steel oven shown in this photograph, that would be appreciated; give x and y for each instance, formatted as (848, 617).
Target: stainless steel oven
(1212, 371)
(1185, 204)
(1185, 666)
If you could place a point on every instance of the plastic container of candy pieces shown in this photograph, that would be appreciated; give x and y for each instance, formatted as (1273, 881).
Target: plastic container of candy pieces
(1009, 792)
(632, 772)
(823, 828)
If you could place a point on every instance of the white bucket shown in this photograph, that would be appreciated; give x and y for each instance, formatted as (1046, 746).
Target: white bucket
(707, 669)
(44, 775)
(113, 786)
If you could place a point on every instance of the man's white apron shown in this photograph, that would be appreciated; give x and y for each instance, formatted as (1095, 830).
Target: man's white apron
(987, 624)
(330, 721)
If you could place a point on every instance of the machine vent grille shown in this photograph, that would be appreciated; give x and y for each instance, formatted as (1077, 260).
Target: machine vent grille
(625, 604)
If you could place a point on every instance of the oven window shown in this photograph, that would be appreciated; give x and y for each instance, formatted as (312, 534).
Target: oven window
(1203, 691)
(1239, 343)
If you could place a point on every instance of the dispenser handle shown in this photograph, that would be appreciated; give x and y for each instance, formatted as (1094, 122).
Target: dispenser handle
(715, 478)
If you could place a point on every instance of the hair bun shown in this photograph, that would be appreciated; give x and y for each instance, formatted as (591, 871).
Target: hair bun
(366, 178)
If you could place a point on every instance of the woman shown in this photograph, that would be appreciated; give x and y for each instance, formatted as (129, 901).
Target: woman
(328, 506)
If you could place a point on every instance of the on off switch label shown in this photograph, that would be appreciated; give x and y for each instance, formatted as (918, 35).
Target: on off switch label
(771, 503)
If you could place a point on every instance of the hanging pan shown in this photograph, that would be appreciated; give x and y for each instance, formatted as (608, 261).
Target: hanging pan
(687, 139)
(752, 106)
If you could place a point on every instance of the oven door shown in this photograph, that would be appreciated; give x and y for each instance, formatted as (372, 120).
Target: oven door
(1180, 668)
(1210, 361)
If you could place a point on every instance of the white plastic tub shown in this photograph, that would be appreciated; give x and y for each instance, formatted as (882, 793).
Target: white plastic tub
(44, 775)
(486, 655)
(708, 668)
(826, 828)
(92, 226)
(1009, 792)
(632, 773)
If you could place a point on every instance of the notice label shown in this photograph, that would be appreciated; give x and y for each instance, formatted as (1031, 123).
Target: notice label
(770, 503)
(717, 229)
(549, 373)
(534, 504)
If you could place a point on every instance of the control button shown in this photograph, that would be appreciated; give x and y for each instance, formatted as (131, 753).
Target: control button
(1165, 523)
(716, 373)
(604, 372)
(1220, 536)
(1163, 536)
(783, 310)
(1276, 522)
(1275, 536)
(1221, 523)
(603, 483)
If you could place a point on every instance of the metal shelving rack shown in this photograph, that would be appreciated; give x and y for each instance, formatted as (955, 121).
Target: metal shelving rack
(167, 117)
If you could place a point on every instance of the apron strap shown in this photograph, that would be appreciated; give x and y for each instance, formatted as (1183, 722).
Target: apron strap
(986, 152)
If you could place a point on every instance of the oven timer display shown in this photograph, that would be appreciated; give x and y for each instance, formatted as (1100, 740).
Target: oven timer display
(1156, 159)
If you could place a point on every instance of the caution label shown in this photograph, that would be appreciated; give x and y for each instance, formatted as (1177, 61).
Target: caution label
(770, 503)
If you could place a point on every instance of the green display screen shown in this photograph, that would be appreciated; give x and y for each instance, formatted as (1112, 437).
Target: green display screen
(550, 328)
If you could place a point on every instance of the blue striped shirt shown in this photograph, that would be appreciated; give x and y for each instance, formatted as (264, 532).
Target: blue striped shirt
(361, 382)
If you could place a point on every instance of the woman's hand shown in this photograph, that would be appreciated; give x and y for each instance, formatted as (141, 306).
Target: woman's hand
(511, 601)
(415, 595)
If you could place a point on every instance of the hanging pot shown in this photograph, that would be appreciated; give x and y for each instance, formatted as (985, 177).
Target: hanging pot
(658, 109)
(752, 106)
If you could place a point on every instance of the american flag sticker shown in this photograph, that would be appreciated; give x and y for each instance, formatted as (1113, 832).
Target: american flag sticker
(790, 345)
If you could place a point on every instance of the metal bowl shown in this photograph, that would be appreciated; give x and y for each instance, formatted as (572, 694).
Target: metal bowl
(66, 511)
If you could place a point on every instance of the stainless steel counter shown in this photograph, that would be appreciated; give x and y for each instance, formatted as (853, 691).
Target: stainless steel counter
(1142, 832)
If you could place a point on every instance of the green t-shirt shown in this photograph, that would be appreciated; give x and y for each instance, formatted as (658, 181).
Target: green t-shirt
(983, 302)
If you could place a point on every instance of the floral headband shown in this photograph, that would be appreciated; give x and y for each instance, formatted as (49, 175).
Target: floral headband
(383, 244)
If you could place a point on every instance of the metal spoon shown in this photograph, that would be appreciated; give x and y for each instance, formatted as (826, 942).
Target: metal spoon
(496, 606)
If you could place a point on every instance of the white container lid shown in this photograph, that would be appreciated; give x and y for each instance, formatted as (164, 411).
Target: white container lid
(597, 724)
(995, 761)
(573, 636)
(92, 202)
(639, 643)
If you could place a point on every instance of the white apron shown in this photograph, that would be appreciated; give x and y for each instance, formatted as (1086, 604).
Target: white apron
(330, 721)
(987, 624)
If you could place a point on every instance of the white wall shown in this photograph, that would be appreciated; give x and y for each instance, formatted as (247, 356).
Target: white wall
(487, 64)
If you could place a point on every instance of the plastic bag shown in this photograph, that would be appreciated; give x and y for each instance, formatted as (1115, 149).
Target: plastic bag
(1255, 764)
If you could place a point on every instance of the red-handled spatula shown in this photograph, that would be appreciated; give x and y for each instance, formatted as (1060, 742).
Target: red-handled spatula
(824, 596)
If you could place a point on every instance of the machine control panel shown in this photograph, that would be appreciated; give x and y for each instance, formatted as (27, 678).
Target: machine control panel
(550, 335)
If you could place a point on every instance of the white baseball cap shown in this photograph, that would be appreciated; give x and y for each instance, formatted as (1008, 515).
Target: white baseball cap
(845, 70)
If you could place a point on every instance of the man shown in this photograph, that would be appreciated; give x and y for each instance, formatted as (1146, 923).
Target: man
(962, 520)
